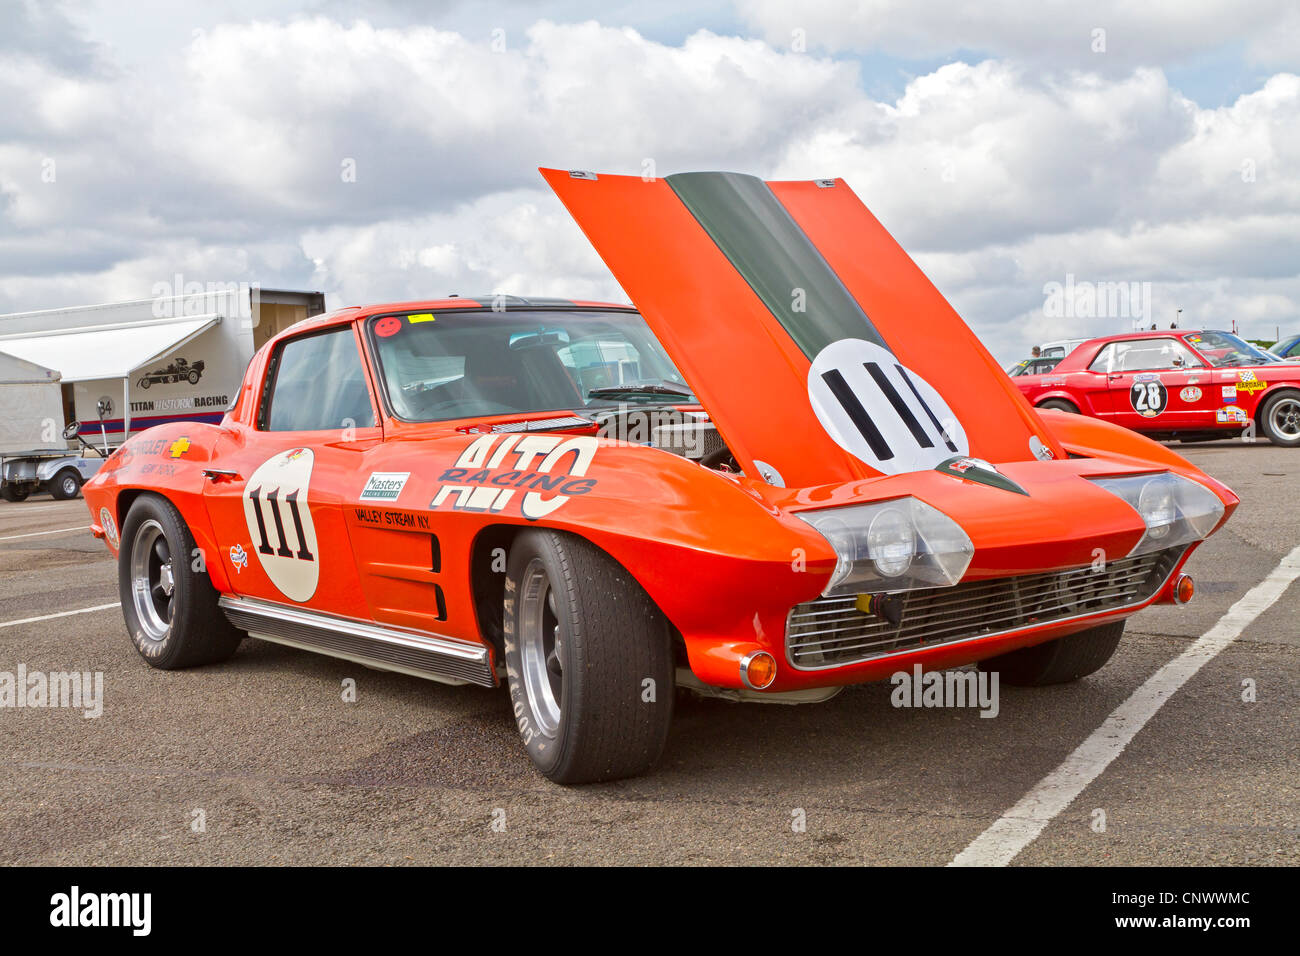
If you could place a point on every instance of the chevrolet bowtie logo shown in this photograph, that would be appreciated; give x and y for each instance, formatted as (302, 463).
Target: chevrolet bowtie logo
(980, 471)
(179, 447)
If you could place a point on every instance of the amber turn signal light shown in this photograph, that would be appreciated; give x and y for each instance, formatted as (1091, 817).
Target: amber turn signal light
(758, 669)
(1184, 589)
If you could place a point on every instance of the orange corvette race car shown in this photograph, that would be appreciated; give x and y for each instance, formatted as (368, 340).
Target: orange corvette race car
(790, 468)
(1176, 384)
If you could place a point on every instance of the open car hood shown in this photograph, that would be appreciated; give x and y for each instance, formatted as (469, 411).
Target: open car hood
(819, 348)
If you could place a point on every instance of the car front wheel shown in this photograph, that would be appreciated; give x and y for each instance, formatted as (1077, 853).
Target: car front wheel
(168, 599)
(65, 485)
(1280, 418)
(1060, 661)
(589, 661)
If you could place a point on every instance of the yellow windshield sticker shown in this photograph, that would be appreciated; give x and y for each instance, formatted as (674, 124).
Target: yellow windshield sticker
(422, 317)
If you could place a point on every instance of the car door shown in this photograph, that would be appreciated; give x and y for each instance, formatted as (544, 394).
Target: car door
(1153, 384)
(276, 487)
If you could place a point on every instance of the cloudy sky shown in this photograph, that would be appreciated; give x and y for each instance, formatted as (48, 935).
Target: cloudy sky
(388, 149)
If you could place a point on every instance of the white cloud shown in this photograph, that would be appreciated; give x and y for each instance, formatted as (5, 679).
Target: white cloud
(1055, 32)
(226, 161)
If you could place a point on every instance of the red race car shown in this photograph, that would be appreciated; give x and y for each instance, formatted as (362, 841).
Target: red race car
(792, 467)
(1188, 385)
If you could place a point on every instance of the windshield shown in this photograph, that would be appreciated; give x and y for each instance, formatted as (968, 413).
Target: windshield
(1225, 350)
(449, 365)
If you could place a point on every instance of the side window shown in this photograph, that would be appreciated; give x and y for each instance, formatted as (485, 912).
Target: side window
(1151, 354)
(319, 384)
(1143, 355)
(1102, 362)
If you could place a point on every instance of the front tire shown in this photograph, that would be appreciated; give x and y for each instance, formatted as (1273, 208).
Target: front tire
(1280, 419)
(65, 485)
(1060, 661)
(170, 608)
(589, 661)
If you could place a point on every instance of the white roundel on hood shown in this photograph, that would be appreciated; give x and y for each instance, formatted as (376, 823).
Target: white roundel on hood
(280, 523)
(880, 412)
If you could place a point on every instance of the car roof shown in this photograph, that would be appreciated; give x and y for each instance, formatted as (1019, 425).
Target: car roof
(1148, 333)
(454, 303)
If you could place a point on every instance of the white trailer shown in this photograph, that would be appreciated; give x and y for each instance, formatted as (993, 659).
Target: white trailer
(123, 367)
(31, 427)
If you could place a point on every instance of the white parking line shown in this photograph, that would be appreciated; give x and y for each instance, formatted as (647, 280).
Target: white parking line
(50, 617)
(1022, 824)
(23, 509)
(37, 534)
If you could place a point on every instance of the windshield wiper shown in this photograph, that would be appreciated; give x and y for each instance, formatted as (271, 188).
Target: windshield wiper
(648, 389)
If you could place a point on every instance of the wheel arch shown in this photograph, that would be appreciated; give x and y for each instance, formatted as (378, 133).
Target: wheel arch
(1270, 393)
(203, 537)
(1059, 397)
(489, 552)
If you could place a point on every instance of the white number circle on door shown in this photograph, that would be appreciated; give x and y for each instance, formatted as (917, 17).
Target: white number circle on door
(1149, 398)
(280, 524)
(879, 411)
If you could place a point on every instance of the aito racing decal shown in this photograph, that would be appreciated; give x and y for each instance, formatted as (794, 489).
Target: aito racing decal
(493, 471)
(280, 523)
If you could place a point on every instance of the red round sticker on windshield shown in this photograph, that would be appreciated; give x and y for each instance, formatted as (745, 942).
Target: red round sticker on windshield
(388, 325)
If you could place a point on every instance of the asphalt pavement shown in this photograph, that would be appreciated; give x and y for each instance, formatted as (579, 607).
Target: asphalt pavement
(261, 759)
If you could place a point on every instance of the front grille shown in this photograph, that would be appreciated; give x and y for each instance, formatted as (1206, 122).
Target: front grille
(831, 631)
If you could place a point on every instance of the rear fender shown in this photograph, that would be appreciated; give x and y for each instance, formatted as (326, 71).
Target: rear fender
(167, 460)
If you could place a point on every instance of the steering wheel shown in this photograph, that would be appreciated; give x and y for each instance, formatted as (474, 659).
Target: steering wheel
(73, 430)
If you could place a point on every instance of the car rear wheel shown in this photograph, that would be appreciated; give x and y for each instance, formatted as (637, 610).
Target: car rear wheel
(1060, 405)
(1060, 661)
(11, 492)
(170, 608)
(1280, 419)
(65, 484)
(589, 661)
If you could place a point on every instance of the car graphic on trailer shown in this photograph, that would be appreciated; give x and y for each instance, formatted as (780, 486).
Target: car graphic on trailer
(1176, 384)
(178, 371)
(791, 467)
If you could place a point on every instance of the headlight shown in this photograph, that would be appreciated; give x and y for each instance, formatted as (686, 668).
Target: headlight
(1176, 510)
(891, 542)
(892, 546)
